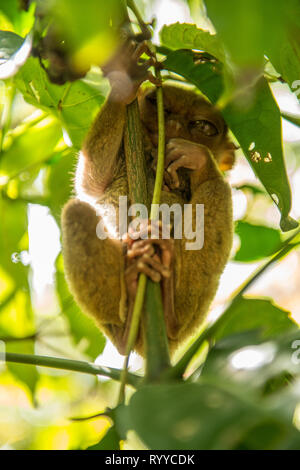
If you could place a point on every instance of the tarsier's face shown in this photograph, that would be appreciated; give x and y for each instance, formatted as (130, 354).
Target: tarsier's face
(188, 116)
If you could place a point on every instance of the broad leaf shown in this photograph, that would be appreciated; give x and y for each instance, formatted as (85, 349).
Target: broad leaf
(13, 230)
(260, 29)
(22, 21)
(14, 51)
(241, 29)
(257, 242)
(45, 136)
(200, 416)
(111, 441)
(75, 104)
(256, 314)
(188, 36)
(250, 363)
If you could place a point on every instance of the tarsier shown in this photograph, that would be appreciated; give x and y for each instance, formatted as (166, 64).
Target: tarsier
(103, 276)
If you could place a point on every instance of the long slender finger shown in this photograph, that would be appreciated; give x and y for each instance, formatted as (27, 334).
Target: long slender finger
(146, 247)
(167, 253)
(162, 243)
(173, 167)
(172, 172)
(140, 50)
(172, 155)
(131, 273)
(151, 273)
(139, 251)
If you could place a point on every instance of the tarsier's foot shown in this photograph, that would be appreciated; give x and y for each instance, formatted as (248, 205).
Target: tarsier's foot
(153, 257)
(126, 71)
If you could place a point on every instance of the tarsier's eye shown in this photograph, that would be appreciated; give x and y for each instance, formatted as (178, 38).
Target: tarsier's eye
(206, 127)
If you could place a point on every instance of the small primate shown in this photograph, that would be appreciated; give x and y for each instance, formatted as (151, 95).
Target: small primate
(103, 276)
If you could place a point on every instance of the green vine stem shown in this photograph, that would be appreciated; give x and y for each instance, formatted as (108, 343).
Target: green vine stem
(68, 364)
(160, 357)
(157, 349)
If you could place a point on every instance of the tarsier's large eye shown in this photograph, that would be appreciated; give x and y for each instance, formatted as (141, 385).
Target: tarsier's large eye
(204, 126)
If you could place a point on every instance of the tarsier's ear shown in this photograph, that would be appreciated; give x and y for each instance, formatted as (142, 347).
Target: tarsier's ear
(226, 156)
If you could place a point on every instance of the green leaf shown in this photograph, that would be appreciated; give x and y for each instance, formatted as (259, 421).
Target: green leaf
(21, 20)
(266, 434)
(199, 416)
(260, 29)
(14, 51)
(188, 36)
(21, 154)
(81, 326)
(240, 27)
(9, 44)
(13, 228)
(293, 118)
(256, 314)
(28, 374)
(16, 317)
(17, 321)
(250, 363)
(257, 242)
(111, 441)
(283, 48)
(256, 127)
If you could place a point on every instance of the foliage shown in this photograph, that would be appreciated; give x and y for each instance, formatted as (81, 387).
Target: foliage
(238, 388)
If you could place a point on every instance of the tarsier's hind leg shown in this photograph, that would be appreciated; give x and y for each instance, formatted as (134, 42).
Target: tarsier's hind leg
(93, 267)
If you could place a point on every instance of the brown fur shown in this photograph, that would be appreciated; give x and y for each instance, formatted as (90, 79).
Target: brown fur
(95, 268)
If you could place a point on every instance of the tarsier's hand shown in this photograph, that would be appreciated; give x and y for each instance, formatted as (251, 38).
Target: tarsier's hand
(152, 256)
(182, 153)
(126, 73)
